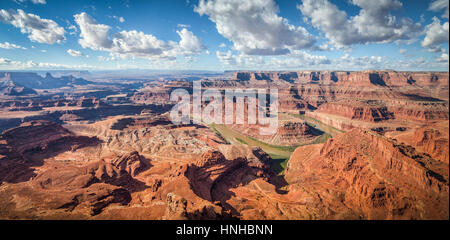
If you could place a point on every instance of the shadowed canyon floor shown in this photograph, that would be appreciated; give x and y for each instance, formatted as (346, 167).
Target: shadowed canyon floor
(349, 145)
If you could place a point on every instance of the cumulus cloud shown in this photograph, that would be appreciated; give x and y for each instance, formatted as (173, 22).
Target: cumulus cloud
(364, 62)
(74, 53)
(435, 35)
(373, 24)
(189, 43)
(325, 47)
(134, 44)
(7, 45)
(300, 59)
(138, 44)
(227, 58)
(38, 29)
(93, 35)
(439, 5)
(254, 26)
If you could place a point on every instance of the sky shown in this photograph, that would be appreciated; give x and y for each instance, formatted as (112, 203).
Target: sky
(219, 35)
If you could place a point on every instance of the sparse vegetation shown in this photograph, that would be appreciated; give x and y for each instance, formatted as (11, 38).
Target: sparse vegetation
(322, 138)
(279, 163)
(241, 141)
(280, 147)
(218, 133)
(312, 122)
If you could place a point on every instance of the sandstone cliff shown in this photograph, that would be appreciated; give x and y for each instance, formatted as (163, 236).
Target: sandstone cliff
(368, 176)
(365, 78)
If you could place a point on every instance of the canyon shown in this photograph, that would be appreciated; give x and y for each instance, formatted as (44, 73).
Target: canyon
(348, 145)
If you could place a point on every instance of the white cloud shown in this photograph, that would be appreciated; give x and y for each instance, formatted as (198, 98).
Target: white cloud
(189, 43)
(11, 64)
(439, 5)
(139, 44)
(38, 29)
(35, 1)
(74, 53)
(120, 19)
(7, 45)
(443, 58)
(4, 61)
(384, 63)
(299, 60)
(74, 30)
(134, 44)
(93, 35)
(325, 47)
(183, 25)
(227, 58)
(222, 45)
(364, 62)
(104, 59)
(374, 24)
(254, 26)
(436, 34)
(295, 60)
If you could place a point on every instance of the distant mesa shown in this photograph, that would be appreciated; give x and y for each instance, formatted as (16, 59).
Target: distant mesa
(35, 81)
(364, 78)
(9, 88)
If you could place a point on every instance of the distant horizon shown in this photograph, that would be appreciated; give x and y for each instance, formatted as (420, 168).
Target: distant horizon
(212, 71)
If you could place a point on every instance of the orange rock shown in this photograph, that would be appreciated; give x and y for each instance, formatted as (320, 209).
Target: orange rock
(372, 177)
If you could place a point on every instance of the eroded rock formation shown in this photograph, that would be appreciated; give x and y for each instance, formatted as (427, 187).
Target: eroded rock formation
(367, 176)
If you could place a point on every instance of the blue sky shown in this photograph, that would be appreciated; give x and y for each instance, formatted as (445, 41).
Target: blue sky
(224, 34)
